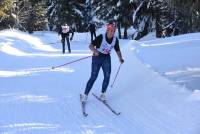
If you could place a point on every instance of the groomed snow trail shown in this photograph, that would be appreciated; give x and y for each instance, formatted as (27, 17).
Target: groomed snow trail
(35, 99)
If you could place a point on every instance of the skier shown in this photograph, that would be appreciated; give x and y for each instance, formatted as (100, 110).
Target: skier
(101, 47)
(65, 30)
(92, 30)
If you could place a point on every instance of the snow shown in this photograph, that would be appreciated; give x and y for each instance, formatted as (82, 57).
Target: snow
(175, 57)
(34, 98)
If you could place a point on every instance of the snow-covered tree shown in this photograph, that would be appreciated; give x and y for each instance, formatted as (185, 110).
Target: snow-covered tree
(118, 11)
(166, 17)
(188, 12)
(61, 11)
(20, 13)
(153, 15)
(125, 9)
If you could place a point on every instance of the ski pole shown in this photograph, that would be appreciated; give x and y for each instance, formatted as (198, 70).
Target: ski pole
(116, 74)
(71, 62)
(54, 42)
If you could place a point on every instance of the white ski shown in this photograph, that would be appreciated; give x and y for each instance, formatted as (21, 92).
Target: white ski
(107, 105)
(83, 107)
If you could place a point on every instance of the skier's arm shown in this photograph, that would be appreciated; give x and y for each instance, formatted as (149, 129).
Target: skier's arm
(72, 34)
(59, 30)
(96, 44)
(94, 50)
(119, 54)
(117, 49)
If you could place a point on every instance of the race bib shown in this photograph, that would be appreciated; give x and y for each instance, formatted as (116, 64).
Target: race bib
(106, 48)
(65, 29)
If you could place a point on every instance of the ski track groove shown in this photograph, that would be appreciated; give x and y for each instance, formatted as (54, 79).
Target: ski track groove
(105, 113)
(62, 113)
(110, 116)
(84, 120)
(127, 121)
(99, 113)
(121, 116)
(67, 115)
(131, 120)
(153, 117)
(70, 113)
(91, 119)
(97, 117)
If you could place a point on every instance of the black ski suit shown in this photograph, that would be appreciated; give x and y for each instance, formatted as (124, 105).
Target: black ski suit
(92, 31)
(65, 35)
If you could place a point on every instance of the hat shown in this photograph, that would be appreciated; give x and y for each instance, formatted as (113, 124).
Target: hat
(65, 24)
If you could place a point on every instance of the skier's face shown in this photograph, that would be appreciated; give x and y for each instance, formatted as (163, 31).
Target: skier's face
(110, 33)
(110, 30)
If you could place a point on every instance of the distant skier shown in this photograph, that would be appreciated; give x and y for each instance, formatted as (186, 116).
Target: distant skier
(65, 31)
(101, 47)
(92, 28)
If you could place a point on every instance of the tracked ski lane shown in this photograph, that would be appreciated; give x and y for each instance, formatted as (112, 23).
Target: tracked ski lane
(47, 102)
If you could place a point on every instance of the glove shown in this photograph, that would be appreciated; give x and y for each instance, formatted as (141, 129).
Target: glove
(71, 39)
(95, 53)
(121, 60)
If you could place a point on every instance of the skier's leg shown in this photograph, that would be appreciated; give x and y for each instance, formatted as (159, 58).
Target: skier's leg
(91, 34)
(106, 67)
(96, 65)
(68, 44)
(63, 43)
(95, 34)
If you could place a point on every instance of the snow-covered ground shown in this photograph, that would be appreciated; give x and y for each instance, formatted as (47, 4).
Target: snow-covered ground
(175, 57)
(36, 99)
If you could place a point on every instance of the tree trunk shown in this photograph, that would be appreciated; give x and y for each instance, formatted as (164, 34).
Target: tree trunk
(119, 29)
(125, 32)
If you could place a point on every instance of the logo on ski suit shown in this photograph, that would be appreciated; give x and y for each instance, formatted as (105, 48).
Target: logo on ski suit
(105, 47)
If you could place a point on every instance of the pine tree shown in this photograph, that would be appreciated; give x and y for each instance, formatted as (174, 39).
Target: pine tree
(143, 15)
(61, 11)
(117, 11)
(5, 13)
(188, 15)
(5, 7)
(20, 12)
(124, 14)
(36, 20)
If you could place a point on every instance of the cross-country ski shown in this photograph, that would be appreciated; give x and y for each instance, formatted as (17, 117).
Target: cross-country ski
(106, 104)
(83, 104)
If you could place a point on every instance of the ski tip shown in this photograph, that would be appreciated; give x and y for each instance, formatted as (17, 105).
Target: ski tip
(119, 113)
(81, 95)
(85, 115)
